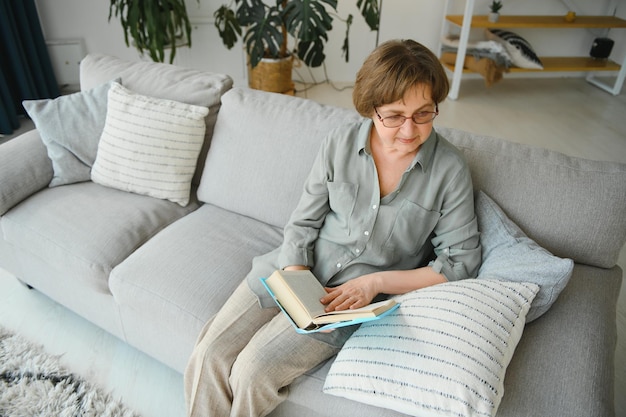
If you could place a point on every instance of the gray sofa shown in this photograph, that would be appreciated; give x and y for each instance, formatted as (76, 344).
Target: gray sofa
(152, 272)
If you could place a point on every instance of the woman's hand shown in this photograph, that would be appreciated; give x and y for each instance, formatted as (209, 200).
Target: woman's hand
(360, 291)
(355, 293)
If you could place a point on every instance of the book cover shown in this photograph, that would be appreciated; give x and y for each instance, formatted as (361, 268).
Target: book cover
(297, 293)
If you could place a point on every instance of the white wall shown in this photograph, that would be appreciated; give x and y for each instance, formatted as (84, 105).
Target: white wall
(417, 19)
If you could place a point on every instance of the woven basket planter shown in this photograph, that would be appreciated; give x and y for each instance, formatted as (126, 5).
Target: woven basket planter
(272, 75)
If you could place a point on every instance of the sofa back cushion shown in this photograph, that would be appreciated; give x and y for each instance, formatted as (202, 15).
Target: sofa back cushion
(164, 81)
(262, 150)
(573, 207)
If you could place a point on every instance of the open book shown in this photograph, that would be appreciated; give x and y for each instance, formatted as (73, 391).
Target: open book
(298, 294)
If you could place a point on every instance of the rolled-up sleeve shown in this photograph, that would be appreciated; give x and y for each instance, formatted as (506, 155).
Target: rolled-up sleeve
(302, 230)
(457, 240)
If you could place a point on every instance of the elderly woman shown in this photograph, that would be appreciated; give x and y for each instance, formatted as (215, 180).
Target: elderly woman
(387, 208)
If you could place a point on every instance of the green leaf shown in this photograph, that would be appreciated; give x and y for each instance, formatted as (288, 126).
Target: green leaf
(264, 34)
(308, 22)
(153, 25)
(370, 12)
(250, 11)
(312, 52)
(227, 26)
(266, 23)
(345, 49)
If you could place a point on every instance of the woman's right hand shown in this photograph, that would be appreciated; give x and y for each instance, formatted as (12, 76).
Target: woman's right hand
(356, 293)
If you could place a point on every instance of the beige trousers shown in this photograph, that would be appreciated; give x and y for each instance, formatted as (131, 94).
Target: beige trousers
(245, 358)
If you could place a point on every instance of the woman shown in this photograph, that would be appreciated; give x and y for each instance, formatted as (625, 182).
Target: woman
(387, 208)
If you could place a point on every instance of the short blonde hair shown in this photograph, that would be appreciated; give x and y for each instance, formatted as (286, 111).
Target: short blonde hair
(392, 69)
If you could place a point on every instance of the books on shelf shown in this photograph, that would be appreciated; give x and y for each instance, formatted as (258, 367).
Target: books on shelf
(298, 295)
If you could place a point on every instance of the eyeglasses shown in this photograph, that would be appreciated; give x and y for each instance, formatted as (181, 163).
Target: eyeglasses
(418, 118)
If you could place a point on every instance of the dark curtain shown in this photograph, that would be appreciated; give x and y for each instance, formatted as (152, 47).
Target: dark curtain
(26, 70)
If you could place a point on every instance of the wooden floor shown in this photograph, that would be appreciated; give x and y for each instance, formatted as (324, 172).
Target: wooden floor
(567, 115)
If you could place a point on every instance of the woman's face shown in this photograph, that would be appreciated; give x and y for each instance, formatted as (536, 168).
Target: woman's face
(409, 136)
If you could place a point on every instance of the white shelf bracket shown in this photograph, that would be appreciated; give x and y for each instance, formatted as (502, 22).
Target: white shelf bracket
(621, 75)
(462, 49)
(616, 88)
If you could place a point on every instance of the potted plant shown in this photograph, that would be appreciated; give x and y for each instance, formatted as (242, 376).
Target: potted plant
(153, 25)
(494, 9)
(268, 27)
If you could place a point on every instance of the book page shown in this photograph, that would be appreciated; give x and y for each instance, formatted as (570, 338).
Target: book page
(371, 310)
(298, 293)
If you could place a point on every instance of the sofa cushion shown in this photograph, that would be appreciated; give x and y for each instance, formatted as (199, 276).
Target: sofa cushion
(86, 229)
(542, 191)
(70, 126)
(149, 146)
(565, 359)
(545, 354)
(508, 254)
(160, 80)
(443, 352)
(165, 300)
(259, 172)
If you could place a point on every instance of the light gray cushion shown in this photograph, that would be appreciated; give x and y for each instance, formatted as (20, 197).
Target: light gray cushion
(86, 229)
(510, 255)
(574, 342)
(546, 192)
(166, 300)
(444, 352)
(149, 146)
(536, 371)
(70, 126)
(160, 80)
(259, 171)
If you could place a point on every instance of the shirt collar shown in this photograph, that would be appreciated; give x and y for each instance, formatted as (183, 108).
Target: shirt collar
(423, 157)
(363, 139)
(427, 150)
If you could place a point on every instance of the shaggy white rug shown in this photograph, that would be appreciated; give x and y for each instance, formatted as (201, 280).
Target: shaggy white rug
(32, 383)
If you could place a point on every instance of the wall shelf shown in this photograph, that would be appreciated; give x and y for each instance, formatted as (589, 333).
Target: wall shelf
(551, 64)
(561, 64)
(554, 22)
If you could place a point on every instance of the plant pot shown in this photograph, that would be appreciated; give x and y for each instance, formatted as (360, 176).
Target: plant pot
(273, 75)
(493, 17)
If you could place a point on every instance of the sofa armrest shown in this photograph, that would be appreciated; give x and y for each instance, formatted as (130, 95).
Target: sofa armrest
(564, 364)
(24, 168)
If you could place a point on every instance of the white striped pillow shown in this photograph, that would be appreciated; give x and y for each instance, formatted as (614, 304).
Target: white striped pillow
(149, 146)
(521, 52)
(443, 353)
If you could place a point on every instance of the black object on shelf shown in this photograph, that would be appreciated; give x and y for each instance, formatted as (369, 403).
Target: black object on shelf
(601, 48)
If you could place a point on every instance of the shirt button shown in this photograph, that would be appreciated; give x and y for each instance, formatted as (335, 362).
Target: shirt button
(374, 207)
(358, 251)
(338, 265)
(366, 233)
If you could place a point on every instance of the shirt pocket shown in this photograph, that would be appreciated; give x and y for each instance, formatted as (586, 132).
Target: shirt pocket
(412, 226)
(341, 199)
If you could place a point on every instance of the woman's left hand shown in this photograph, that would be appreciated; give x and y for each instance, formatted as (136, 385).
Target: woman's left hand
(356, 293)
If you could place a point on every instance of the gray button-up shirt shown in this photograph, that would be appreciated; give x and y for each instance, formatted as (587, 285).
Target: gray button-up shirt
(343, 229)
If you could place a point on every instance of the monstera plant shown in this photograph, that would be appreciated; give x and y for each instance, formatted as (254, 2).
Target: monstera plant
(266, 27)
(153, 25)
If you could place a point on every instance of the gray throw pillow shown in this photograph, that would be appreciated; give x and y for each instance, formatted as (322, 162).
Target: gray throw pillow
(70, 126)
(508, 254)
